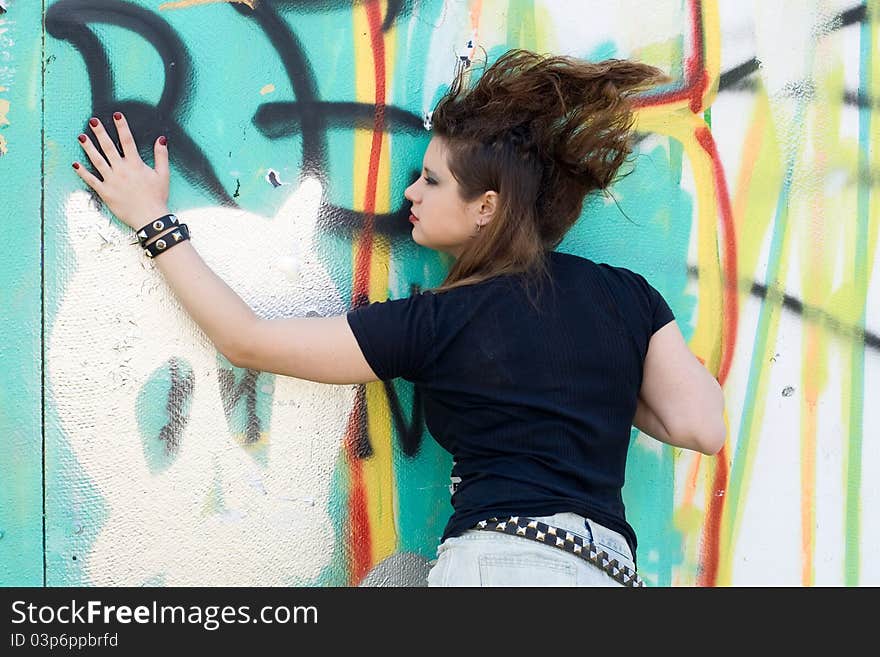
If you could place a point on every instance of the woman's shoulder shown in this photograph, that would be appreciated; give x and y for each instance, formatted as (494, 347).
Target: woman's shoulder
(617, 276)
(572, 259)
(561, 259)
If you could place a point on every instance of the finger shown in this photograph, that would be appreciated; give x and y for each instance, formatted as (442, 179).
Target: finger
(90, 179)
(97, 160)
(126, 139)
(107, 145)
(160, 153)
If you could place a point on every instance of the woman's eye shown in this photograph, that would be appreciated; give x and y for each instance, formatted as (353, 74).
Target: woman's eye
(430, 181)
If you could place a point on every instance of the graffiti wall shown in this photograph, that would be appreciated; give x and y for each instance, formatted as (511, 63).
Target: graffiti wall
(135, 454)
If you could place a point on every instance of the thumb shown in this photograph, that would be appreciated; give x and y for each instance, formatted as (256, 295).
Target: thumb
(160, 150)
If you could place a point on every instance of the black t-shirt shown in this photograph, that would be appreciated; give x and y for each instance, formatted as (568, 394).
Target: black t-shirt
(535, 406)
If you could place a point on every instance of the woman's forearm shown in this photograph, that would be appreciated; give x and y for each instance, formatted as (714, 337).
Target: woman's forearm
(647, 422)
(213, 305)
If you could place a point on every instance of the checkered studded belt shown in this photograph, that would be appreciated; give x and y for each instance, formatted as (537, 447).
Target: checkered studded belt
(564, 540)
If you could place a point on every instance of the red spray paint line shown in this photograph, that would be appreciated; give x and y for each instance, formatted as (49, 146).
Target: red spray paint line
(696, 81)
(360, 538)
(712, 528)
(696, 78)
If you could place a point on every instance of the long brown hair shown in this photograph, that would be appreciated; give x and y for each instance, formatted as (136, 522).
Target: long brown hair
(543, 132)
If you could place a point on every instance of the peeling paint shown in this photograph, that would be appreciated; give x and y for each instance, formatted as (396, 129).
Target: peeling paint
(269, 88)
(273, 179)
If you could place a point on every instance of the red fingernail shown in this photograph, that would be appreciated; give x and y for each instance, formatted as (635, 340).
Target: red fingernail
(163, 140)
(117, 115)
(76, 165)
(82, 138)
(93, 122)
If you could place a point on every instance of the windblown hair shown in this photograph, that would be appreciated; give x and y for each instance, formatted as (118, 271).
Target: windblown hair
(543, 132)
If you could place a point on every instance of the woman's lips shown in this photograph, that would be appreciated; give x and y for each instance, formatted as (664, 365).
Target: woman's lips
(413, 218)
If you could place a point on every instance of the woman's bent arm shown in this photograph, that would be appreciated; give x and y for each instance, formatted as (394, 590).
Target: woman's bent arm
(682, 393)
(647, 422)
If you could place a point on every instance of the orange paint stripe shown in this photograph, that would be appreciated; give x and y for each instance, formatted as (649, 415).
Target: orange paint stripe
(691, 485)
(750, 154)
(476, 10)
(808, 460)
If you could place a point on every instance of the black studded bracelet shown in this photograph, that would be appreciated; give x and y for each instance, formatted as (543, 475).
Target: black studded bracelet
(161, 245)
(156, 227)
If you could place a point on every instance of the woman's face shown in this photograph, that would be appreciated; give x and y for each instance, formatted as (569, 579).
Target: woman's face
(441, 219)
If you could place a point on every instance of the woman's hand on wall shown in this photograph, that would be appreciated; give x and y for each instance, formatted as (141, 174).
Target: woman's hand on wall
(131, 189)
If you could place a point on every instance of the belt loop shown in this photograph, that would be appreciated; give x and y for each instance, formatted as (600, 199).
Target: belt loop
(589, 529)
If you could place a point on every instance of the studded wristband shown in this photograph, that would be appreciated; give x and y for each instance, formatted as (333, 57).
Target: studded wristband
(161, 245)
(155, 227)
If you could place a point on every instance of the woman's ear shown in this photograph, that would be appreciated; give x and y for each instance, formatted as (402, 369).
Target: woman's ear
(488, 206)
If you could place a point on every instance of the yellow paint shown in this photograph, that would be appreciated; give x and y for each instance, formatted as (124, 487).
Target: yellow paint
(755, 193)
(711, 50)
(688, 520)
(378, 471)
(817, 239)
(677, 121)
(183, 4)
(3, 149)
(818, 263)
(545, 36)
(661, 54)
(4, 110)
(689, 515)
(268, 89)
(682, 125)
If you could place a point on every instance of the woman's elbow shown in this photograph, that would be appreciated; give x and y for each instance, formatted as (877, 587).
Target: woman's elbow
(714, 436)
(713, 442)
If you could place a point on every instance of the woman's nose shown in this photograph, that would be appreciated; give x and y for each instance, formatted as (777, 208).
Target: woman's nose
(409, 192)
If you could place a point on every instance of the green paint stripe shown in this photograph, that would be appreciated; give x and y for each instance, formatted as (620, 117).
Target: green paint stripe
(521, 24)
(852, 535)
(745, 449)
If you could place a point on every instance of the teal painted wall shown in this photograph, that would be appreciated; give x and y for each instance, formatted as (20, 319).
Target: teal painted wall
(21, 467)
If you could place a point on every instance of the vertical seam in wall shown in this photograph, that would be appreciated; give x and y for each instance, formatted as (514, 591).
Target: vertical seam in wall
(42, 266)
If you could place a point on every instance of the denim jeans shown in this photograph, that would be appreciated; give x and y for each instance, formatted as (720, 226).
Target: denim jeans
(487, 558)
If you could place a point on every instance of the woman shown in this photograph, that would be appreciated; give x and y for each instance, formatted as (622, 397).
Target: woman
(533, 364)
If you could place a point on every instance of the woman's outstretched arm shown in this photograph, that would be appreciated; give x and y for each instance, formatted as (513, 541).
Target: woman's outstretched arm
(319, 349)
